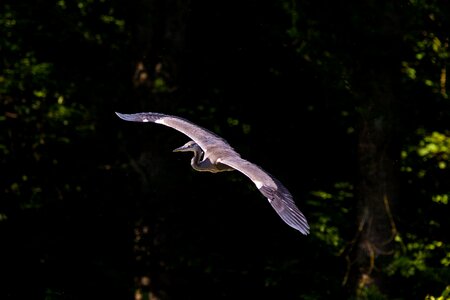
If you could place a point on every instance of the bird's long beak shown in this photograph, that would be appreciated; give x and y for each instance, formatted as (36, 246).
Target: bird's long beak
(189, 146)
(180, 149)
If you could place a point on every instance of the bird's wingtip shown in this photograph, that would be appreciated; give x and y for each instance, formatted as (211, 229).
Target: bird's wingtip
(141, 117)
(281, 200)
(304, 231)
(300, 224)
(127, 117)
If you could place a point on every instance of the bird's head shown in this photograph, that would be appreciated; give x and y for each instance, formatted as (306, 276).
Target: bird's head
(189, 146)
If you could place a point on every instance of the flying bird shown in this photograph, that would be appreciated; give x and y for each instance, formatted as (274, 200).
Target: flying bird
(213, 154)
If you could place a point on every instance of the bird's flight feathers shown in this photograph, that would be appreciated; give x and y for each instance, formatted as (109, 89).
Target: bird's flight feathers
(278, 196)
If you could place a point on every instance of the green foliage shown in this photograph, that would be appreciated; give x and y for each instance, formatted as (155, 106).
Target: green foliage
(371, 292)
(416, 255)
(327, 228)
(435, 146)
(76, 186)
(444, 296)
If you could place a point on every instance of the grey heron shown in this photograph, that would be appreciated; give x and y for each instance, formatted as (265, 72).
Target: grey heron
(213, 154)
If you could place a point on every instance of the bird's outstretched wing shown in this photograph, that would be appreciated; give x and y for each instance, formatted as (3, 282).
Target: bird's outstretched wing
(278, 196)
(203, 137)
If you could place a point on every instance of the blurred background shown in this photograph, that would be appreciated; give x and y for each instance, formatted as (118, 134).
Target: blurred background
(345, 103)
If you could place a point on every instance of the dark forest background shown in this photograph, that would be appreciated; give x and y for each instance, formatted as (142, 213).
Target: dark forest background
(346, 103)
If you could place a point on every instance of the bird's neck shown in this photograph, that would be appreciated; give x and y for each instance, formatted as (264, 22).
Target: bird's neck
(203, 165)
(195, 161)
(198, 163)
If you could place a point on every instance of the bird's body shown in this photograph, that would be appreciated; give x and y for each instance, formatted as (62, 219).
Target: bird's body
(213, 154)
(200, 162)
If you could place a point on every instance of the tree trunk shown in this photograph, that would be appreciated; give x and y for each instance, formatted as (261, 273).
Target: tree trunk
(377, 186)
(375, 68)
